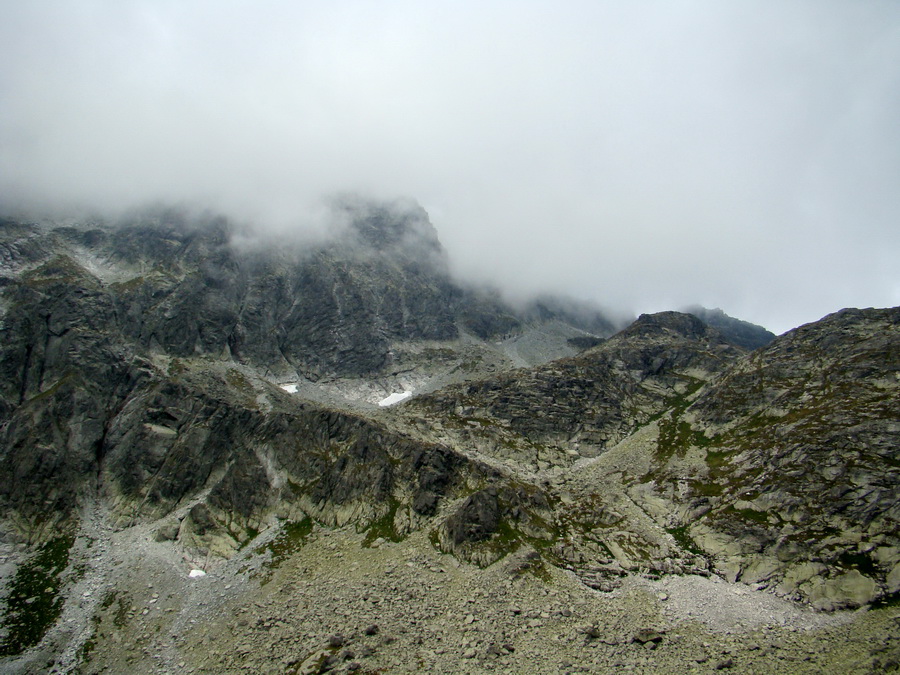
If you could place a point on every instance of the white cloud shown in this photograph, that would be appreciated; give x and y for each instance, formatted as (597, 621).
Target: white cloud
(648, 155)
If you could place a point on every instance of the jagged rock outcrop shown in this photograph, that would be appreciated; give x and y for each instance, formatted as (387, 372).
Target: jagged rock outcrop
(107, 330)
(185, 285)
(495, 521)
(235, 451)
(579, 314)
(777, 468)
(742, 333)
(329, 308)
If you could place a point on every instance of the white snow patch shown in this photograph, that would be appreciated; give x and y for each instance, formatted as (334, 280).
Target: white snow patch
(289, 388)
(161, 430)
(196, 573)
(395, 398)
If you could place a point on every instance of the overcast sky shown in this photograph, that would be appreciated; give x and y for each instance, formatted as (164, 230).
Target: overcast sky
(647, 155)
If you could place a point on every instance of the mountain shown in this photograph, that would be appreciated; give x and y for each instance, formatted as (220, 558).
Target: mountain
(146, 341)
(180, 394)
(742, 333)
(586, 403)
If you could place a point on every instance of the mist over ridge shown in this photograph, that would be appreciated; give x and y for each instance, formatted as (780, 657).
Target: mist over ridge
(735, 156)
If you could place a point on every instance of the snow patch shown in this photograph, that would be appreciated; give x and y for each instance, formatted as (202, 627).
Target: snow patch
(161, 430)
(289, 388)
(395, 398)
(196, 573)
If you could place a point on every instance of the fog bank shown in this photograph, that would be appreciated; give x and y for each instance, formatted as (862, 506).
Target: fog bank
(647, 156)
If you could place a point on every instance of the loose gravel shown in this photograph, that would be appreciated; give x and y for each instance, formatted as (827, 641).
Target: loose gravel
(333, 605)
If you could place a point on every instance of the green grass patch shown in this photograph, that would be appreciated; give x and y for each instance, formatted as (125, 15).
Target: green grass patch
(284, 544)
(68, 377)
(34, 603)
(251, 533)
(751, 515)
(291, 538)
(239, 381)
(676, 437)
(86, 649)
(508, 539)
(539, 570)
(684, 540)
(123, 608)
(128, 286)
(60, 269)
(505, 540)
(889, 601)
(177, 367)
(383, 528)
(718, 459)
(108, 600)
(707, 488)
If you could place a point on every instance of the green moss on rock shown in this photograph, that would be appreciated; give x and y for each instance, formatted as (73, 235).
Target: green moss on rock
(34, 602)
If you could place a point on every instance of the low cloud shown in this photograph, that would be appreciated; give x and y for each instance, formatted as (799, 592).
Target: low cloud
(743, 155)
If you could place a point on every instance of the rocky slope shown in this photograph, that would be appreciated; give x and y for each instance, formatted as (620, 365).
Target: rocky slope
(177, 394)
(798, 487)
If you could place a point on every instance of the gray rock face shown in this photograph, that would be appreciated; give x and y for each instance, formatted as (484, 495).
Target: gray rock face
(742, 333)
(184, 286)
(170, 441)
(476, 520)
(332, 308)
(107, 334)
(494, 521)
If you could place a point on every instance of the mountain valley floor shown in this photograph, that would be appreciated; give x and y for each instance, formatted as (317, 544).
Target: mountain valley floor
(323, 600)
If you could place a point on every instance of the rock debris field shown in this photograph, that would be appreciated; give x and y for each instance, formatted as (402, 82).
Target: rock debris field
(325, 602)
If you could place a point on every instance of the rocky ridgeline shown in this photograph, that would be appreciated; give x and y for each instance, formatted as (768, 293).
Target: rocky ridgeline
(214, 457)
(143, 434)
(743, 334)
(552, 415)
(185, 286)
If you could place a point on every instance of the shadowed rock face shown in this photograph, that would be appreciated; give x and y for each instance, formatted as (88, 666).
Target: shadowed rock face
(168, 440)
(182, 287)
(187, 286)
(476, 520)
(743, 334)
(332, 308)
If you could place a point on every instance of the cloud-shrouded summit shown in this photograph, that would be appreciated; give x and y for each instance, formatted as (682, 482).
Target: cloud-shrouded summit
(644, 155)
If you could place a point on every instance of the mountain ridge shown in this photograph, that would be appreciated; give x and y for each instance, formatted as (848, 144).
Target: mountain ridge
(145, 396)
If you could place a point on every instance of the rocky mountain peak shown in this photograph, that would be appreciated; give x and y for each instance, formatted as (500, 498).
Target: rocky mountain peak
(667, 323)
(399, 226)
(742, 333)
